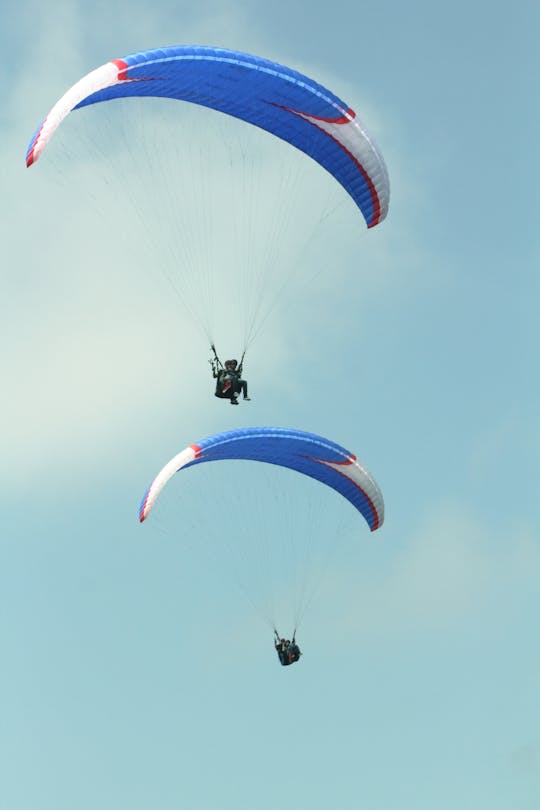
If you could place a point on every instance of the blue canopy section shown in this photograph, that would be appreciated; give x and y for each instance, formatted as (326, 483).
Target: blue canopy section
(304, 452)
(266, 94)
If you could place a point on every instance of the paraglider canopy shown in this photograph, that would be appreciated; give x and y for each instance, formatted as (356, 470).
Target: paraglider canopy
(304, 452)
(269, 95)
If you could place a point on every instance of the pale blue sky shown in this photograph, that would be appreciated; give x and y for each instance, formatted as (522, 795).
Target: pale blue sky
(134, 675)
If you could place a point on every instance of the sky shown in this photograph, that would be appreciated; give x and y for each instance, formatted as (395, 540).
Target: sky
(135, 672)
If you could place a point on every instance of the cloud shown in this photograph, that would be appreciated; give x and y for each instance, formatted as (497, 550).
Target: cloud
(95, 331)
(525, 759)
(98, 341)
(450, 568)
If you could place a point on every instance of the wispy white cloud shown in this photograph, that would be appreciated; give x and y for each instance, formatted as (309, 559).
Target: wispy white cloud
(91, 325)
(451, 567)
(525, 759)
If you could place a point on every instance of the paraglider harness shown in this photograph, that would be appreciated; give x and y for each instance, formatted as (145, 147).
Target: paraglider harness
(225, 388)
(288, 651)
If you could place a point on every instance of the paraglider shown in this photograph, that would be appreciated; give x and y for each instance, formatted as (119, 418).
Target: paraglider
(300, 451)
(228, 376)
(288, 651)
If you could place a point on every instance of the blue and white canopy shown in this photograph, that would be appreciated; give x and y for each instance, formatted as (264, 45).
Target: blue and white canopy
(306, 453)
(263, 93)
